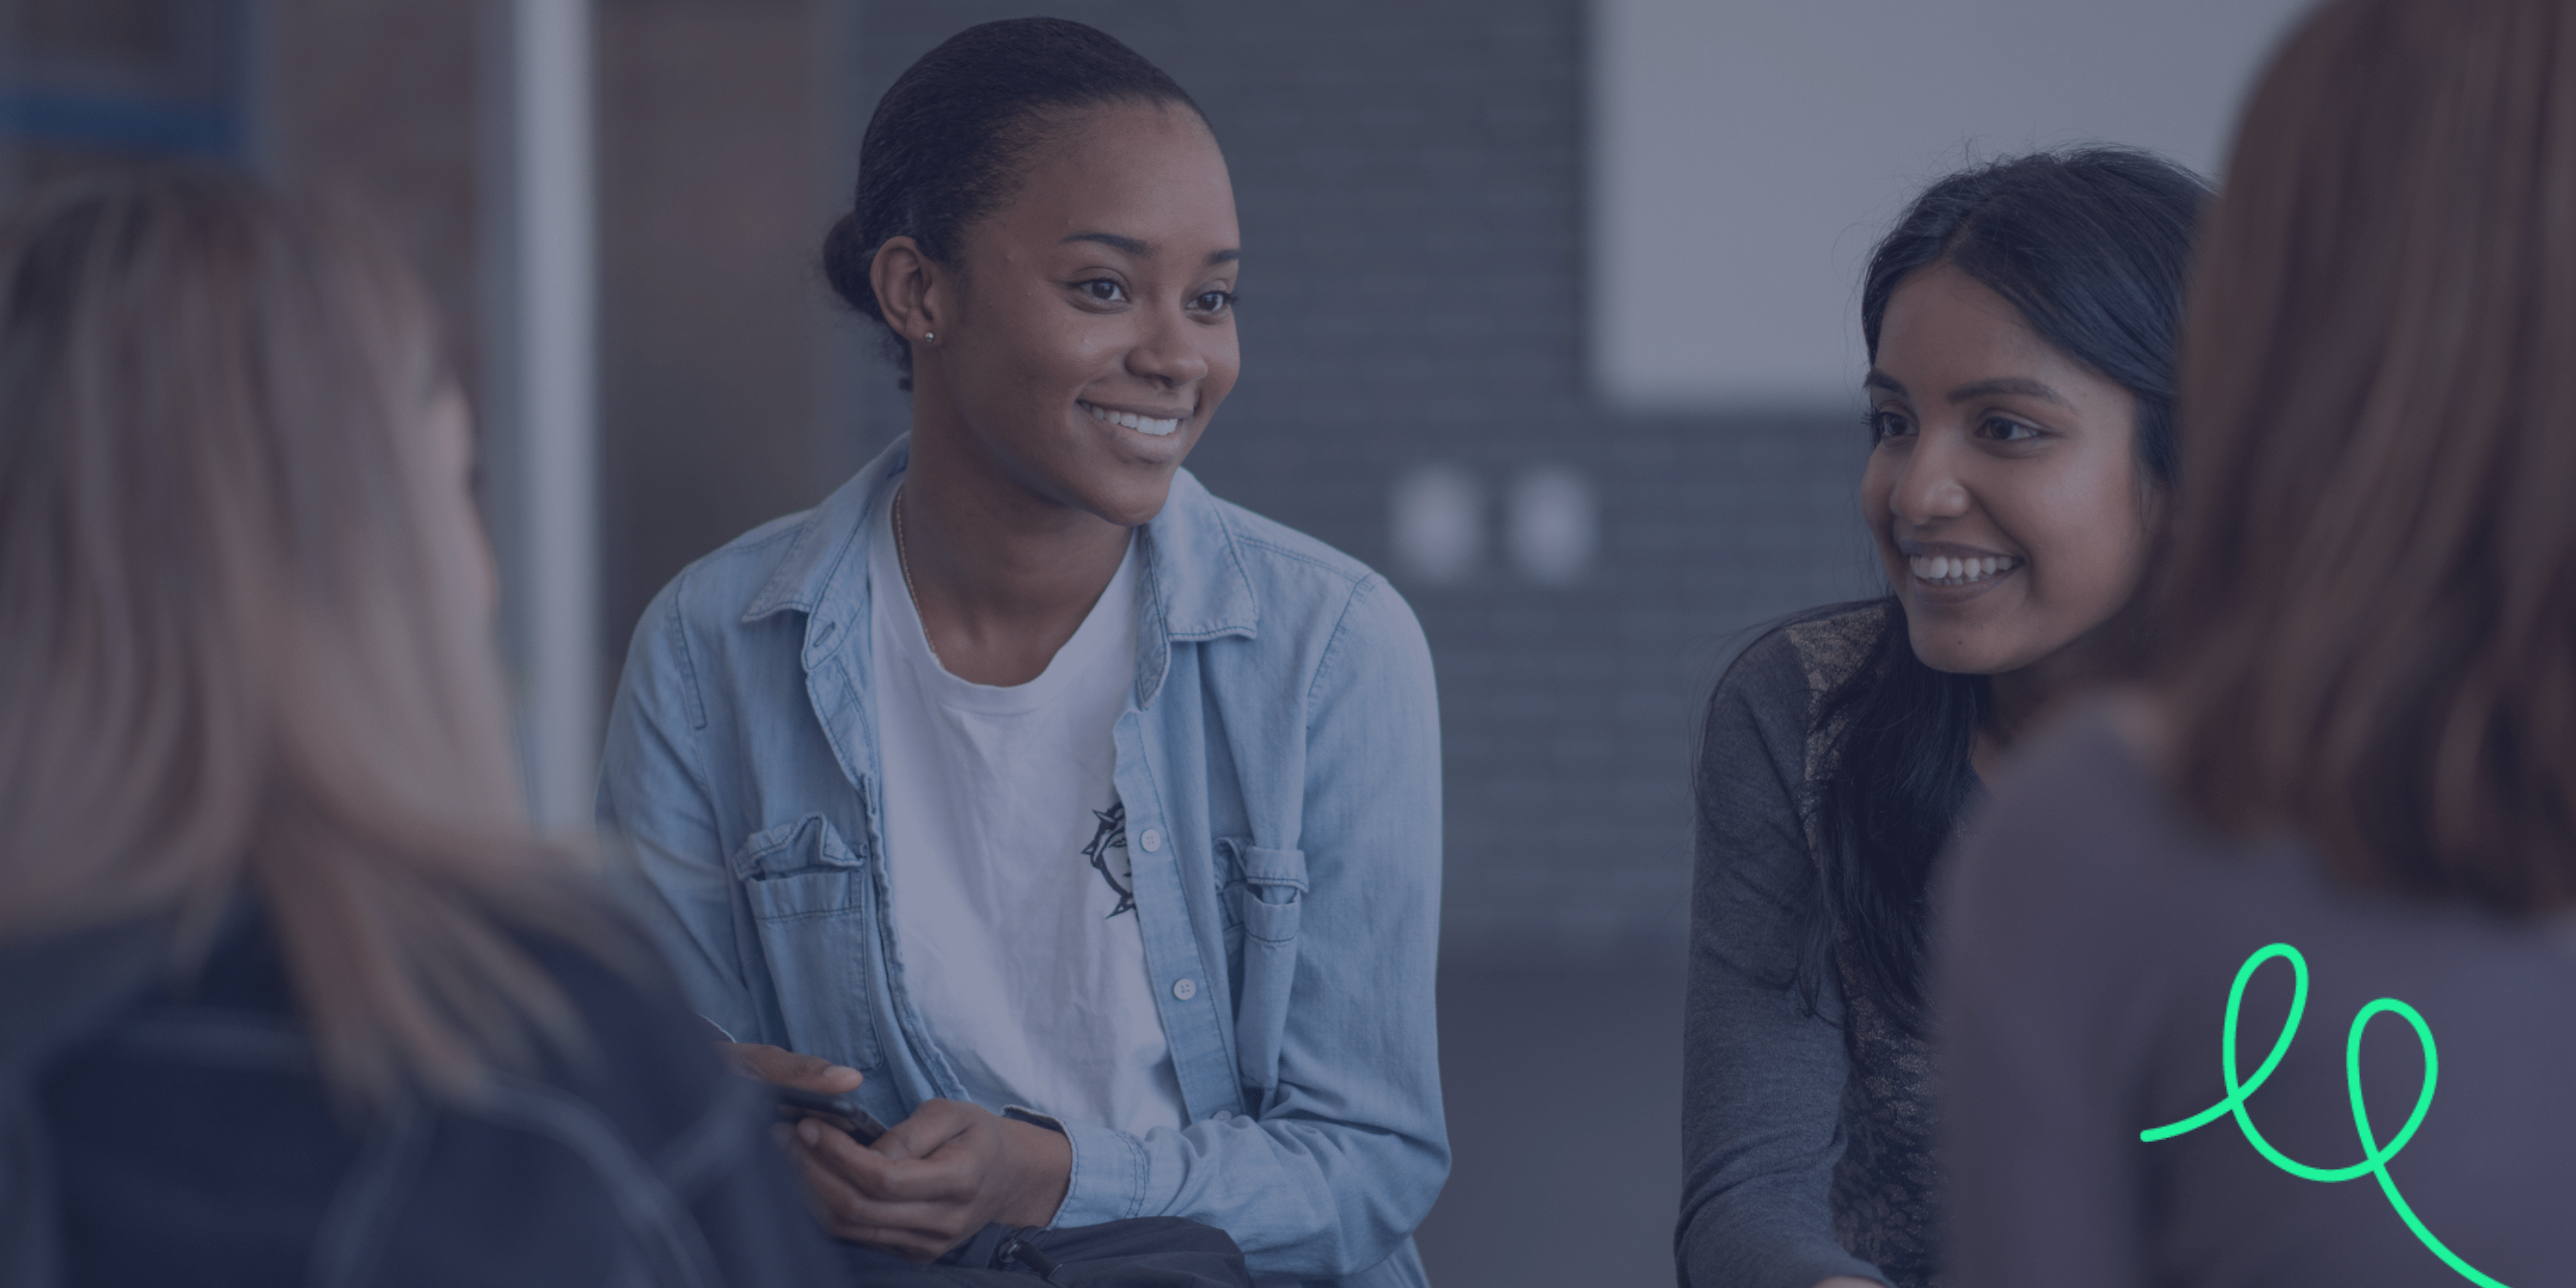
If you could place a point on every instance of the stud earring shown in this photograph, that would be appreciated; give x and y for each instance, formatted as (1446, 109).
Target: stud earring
(929, 338)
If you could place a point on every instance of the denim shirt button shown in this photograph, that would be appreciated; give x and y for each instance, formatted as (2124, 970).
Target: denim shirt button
(1184, 989)
(1151, 840)
(1224, 1115)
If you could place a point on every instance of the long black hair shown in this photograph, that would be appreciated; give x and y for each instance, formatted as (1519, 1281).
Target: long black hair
(948, 141)
(2090, 245)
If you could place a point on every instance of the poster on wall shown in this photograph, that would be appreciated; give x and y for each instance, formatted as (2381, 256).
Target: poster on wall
(1746, 154)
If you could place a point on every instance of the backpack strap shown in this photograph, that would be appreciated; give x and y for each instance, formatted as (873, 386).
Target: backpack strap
(54, 992)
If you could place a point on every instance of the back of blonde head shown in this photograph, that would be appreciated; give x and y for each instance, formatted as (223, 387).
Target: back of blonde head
(237, 649)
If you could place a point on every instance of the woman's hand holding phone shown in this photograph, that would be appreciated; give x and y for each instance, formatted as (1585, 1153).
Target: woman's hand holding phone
(789, 1069)
(930, 1182)
(935, 1178)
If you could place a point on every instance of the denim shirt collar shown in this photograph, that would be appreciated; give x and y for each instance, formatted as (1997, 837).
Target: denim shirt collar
(1196, 587)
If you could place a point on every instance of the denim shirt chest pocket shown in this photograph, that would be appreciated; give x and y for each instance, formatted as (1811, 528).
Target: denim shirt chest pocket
(1263, 898)
(810, 896)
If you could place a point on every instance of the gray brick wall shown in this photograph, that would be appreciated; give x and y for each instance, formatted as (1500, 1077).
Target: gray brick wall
(712, 122)
(1410, 178)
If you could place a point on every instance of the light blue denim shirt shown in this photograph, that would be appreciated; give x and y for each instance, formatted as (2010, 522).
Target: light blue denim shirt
(1279, 759)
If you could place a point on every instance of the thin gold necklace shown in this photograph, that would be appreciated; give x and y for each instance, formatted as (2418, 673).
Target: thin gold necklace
(903, 560)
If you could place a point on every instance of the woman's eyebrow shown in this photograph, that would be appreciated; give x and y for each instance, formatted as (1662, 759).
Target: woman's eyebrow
(2023, 386)
(1145, 250)
(1877, 379)
(1115, 242)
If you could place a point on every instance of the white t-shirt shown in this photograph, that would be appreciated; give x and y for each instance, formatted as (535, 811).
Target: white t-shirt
(1006, 855)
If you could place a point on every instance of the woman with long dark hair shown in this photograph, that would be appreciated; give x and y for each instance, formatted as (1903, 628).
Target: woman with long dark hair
(1082, 825)
(2342, 805)
(2020, 324)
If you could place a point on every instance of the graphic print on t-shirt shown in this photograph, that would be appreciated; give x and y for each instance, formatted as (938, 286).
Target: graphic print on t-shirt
(997, 800)
(1112, 835)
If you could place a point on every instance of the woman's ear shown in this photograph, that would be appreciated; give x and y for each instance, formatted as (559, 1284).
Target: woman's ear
(2155, 505)
(904, 279)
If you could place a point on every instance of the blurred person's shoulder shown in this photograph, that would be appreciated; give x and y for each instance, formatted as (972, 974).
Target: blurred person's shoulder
(2082, 852)
(628, 1100)
(632, 1046)
(2080, 797)
(2083, 829)
(629, 1006)
(2092, 783)
(639, 1054)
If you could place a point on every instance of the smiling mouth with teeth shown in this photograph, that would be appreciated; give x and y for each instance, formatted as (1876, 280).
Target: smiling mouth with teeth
(1945, 570)
(1158, 428)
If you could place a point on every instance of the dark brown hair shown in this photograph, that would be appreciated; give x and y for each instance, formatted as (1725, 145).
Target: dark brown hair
(949, 140)
(2370, 604)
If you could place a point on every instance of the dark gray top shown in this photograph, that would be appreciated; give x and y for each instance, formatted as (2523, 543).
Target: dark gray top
(2092, 932)
(1805, 1137)
(166, 1129)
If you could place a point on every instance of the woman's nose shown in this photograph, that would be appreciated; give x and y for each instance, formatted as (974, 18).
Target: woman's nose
(1929, 488)
(1169, 350)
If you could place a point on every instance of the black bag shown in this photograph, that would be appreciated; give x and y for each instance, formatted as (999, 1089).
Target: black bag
(1148, 1252)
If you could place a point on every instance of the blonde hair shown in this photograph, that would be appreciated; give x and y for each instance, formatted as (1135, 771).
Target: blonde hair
(233, 656)
(2371, 599)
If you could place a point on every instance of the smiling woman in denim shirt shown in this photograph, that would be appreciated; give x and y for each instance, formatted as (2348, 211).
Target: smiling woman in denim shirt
(1082, 825)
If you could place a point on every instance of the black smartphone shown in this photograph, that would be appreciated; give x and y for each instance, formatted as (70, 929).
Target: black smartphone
(796, 1104)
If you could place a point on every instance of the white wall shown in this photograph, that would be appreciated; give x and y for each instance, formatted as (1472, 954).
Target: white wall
(1747, 154)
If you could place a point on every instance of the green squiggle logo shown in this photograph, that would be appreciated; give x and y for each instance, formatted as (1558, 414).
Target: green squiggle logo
(2374, 1161)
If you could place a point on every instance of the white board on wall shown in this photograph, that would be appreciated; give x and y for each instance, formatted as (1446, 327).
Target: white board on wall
(1746, 154)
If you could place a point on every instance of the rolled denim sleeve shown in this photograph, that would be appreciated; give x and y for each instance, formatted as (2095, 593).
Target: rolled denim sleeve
(657, 811)
(1349, 1148)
